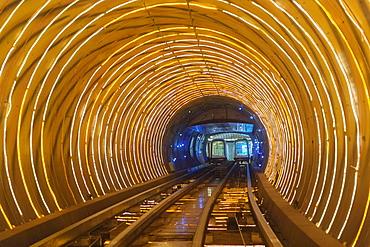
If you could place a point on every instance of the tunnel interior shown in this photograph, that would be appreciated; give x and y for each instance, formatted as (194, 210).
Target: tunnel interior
(94, 93)
(188, 138)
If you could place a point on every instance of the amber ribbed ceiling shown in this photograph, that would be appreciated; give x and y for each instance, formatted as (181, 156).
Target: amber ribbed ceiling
(88, 87)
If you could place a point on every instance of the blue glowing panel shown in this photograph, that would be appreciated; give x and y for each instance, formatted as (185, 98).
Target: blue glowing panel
(213, 128)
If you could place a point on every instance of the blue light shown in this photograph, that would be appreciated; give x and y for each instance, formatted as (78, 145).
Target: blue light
(180, 134)
(184, 156)
(240, 108)
(259, 130)
(251, 117)
(174, 159)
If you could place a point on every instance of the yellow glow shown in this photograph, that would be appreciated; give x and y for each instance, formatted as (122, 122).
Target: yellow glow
(20, 163)
(363, 220)
(11, 16)
(364, 84)
(6, 217)
(89, 89)
(318, 165)
(44, 167)
(159, 5)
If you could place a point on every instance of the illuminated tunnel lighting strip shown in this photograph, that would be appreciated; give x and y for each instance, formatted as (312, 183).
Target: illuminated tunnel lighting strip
(363, 220)
(366, 90)
(356, 120)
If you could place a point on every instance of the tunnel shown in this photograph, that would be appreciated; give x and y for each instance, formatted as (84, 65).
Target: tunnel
(189, 133)
(95, 96)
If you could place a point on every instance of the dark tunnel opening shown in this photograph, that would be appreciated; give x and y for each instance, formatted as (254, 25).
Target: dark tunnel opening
(192, 137)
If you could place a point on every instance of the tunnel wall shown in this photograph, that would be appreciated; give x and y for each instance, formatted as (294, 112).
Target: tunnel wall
(39, 229)
(293, 228)
(88, 88)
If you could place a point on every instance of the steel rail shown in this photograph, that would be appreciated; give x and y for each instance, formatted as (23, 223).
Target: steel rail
(127, 236)
(268, 234)
(199, 236)
(81, 227)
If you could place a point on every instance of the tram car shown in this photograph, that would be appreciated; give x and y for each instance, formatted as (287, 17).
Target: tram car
(218, 152)
(242, 151)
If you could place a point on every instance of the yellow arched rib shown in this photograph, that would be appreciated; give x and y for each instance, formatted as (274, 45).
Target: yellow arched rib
(6, 217)
(363, 220)
(20, 162)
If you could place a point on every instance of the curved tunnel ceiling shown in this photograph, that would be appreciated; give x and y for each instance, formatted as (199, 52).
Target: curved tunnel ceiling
(89, 87)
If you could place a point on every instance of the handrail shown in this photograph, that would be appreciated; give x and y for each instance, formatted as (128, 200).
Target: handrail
(269, 236)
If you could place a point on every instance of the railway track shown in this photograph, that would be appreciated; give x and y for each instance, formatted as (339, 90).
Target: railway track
(215, 207)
